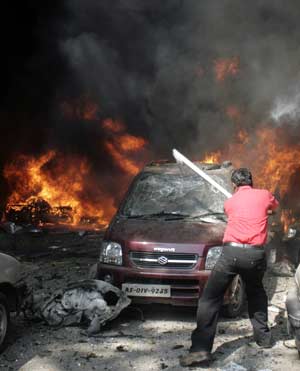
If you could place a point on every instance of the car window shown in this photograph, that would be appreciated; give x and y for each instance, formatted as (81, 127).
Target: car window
(173, 193)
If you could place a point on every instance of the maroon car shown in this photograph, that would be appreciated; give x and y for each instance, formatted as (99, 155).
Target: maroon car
(167, 235)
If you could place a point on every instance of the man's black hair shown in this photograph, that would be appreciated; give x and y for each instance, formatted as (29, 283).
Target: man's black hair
(242, 177)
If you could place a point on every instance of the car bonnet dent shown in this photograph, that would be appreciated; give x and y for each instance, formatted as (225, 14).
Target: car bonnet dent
(93, 302)
(10, 269)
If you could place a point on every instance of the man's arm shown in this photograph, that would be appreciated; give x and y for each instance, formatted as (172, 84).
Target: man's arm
(273, 203)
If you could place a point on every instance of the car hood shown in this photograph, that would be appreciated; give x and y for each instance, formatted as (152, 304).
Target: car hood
(160, 230)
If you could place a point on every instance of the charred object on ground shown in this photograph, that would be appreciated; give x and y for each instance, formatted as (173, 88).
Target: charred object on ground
(89, 302)
(37, 211)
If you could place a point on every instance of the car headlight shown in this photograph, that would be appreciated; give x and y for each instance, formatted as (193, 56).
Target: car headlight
(291, 233)
(111, 253)
(212, 257)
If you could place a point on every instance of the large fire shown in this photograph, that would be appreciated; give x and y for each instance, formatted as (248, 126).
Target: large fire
(272, 162)
(57, 184)
(59, 188)
(50, 188)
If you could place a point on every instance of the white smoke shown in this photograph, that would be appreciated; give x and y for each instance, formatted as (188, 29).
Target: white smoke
(286, 110)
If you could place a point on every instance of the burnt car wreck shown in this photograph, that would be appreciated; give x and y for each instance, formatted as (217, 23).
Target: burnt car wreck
(37, 212)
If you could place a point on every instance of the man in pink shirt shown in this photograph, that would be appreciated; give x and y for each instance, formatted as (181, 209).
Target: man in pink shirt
(243, 253)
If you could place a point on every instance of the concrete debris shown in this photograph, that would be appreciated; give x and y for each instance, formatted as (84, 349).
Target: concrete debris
(283, 269)
(90, 302)
(232, 366)
(291, 344)
(40, 364)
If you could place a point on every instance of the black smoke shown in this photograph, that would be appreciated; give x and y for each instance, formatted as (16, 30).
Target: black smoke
(139, 61)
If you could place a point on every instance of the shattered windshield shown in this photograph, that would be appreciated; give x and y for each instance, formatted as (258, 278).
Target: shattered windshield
(173, 194)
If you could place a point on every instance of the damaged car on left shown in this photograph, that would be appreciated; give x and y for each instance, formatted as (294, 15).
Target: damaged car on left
(12, 289)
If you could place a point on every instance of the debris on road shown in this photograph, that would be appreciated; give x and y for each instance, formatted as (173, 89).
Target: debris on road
(282, 269)
(91, 302)
(232, 366)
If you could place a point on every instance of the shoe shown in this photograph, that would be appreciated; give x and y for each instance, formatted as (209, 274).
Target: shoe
(195, 359)
(264, 345)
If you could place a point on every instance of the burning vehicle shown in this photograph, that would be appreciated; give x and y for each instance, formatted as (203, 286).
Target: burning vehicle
(11, 292)
(166, 237)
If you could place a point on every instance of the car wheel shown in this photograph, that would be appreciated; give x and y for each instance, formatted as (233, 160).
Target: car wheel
(4, 319)
(236, 304)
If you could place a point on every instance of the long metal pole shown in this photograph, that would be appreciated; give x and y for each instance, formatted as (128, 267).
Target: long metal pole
(182, 159)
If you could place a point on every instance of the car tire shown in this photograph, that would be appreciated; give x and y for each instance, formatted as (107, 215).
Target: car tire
(4, 320)
(236, 305)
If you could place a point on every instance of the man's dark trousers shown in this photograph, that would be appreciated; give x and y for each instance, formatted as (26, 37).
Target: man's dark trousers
(250, 263)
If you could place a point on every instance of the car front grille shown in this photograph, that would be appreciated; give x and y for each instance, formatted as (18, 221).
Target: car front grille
(161, 260)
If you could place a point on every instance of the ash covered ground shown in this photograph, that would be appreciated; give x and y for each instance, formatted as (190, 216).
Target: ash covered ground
(142, 337)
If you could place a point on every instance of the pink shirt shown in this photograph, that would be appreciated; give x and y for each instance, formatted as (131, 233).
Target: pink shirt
(247, 212)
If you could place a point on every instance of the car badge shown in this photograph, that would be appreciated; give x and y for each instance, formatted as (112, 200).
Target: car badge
(162, 260)
(164, 249)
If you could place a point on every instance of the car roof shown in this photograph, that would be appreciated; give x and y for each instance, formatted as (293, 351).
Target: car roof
(166, 167)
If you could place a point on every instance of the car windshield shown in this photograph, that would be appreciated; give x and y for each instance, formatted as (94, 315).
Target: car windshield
(173, 194)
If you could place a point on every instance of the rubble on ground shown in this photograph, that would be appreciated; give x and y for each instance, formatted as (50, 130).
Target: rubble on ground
(282, 269)
(144, 337)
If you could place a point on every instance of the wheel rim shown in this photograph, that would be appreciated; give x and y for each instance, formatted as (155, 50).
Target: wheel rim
(3, 322)
(236, 300)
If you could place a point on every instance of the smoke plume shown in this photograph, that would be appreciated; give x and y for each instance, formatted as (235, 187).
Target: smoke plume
(168, 70)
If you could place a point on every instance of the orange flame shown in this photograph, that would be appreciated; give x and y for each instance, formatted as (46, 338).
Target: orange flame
(124, 163)
(212, 158)
(271, 161)
(287, 219)
(80, 109)
(130, 143)
(121, 144)
(113, 126)
(225, 67)
(58, 180)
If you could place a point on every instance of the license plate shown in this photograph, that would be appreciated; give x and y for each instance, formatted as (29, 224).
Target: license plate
(136, 289)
